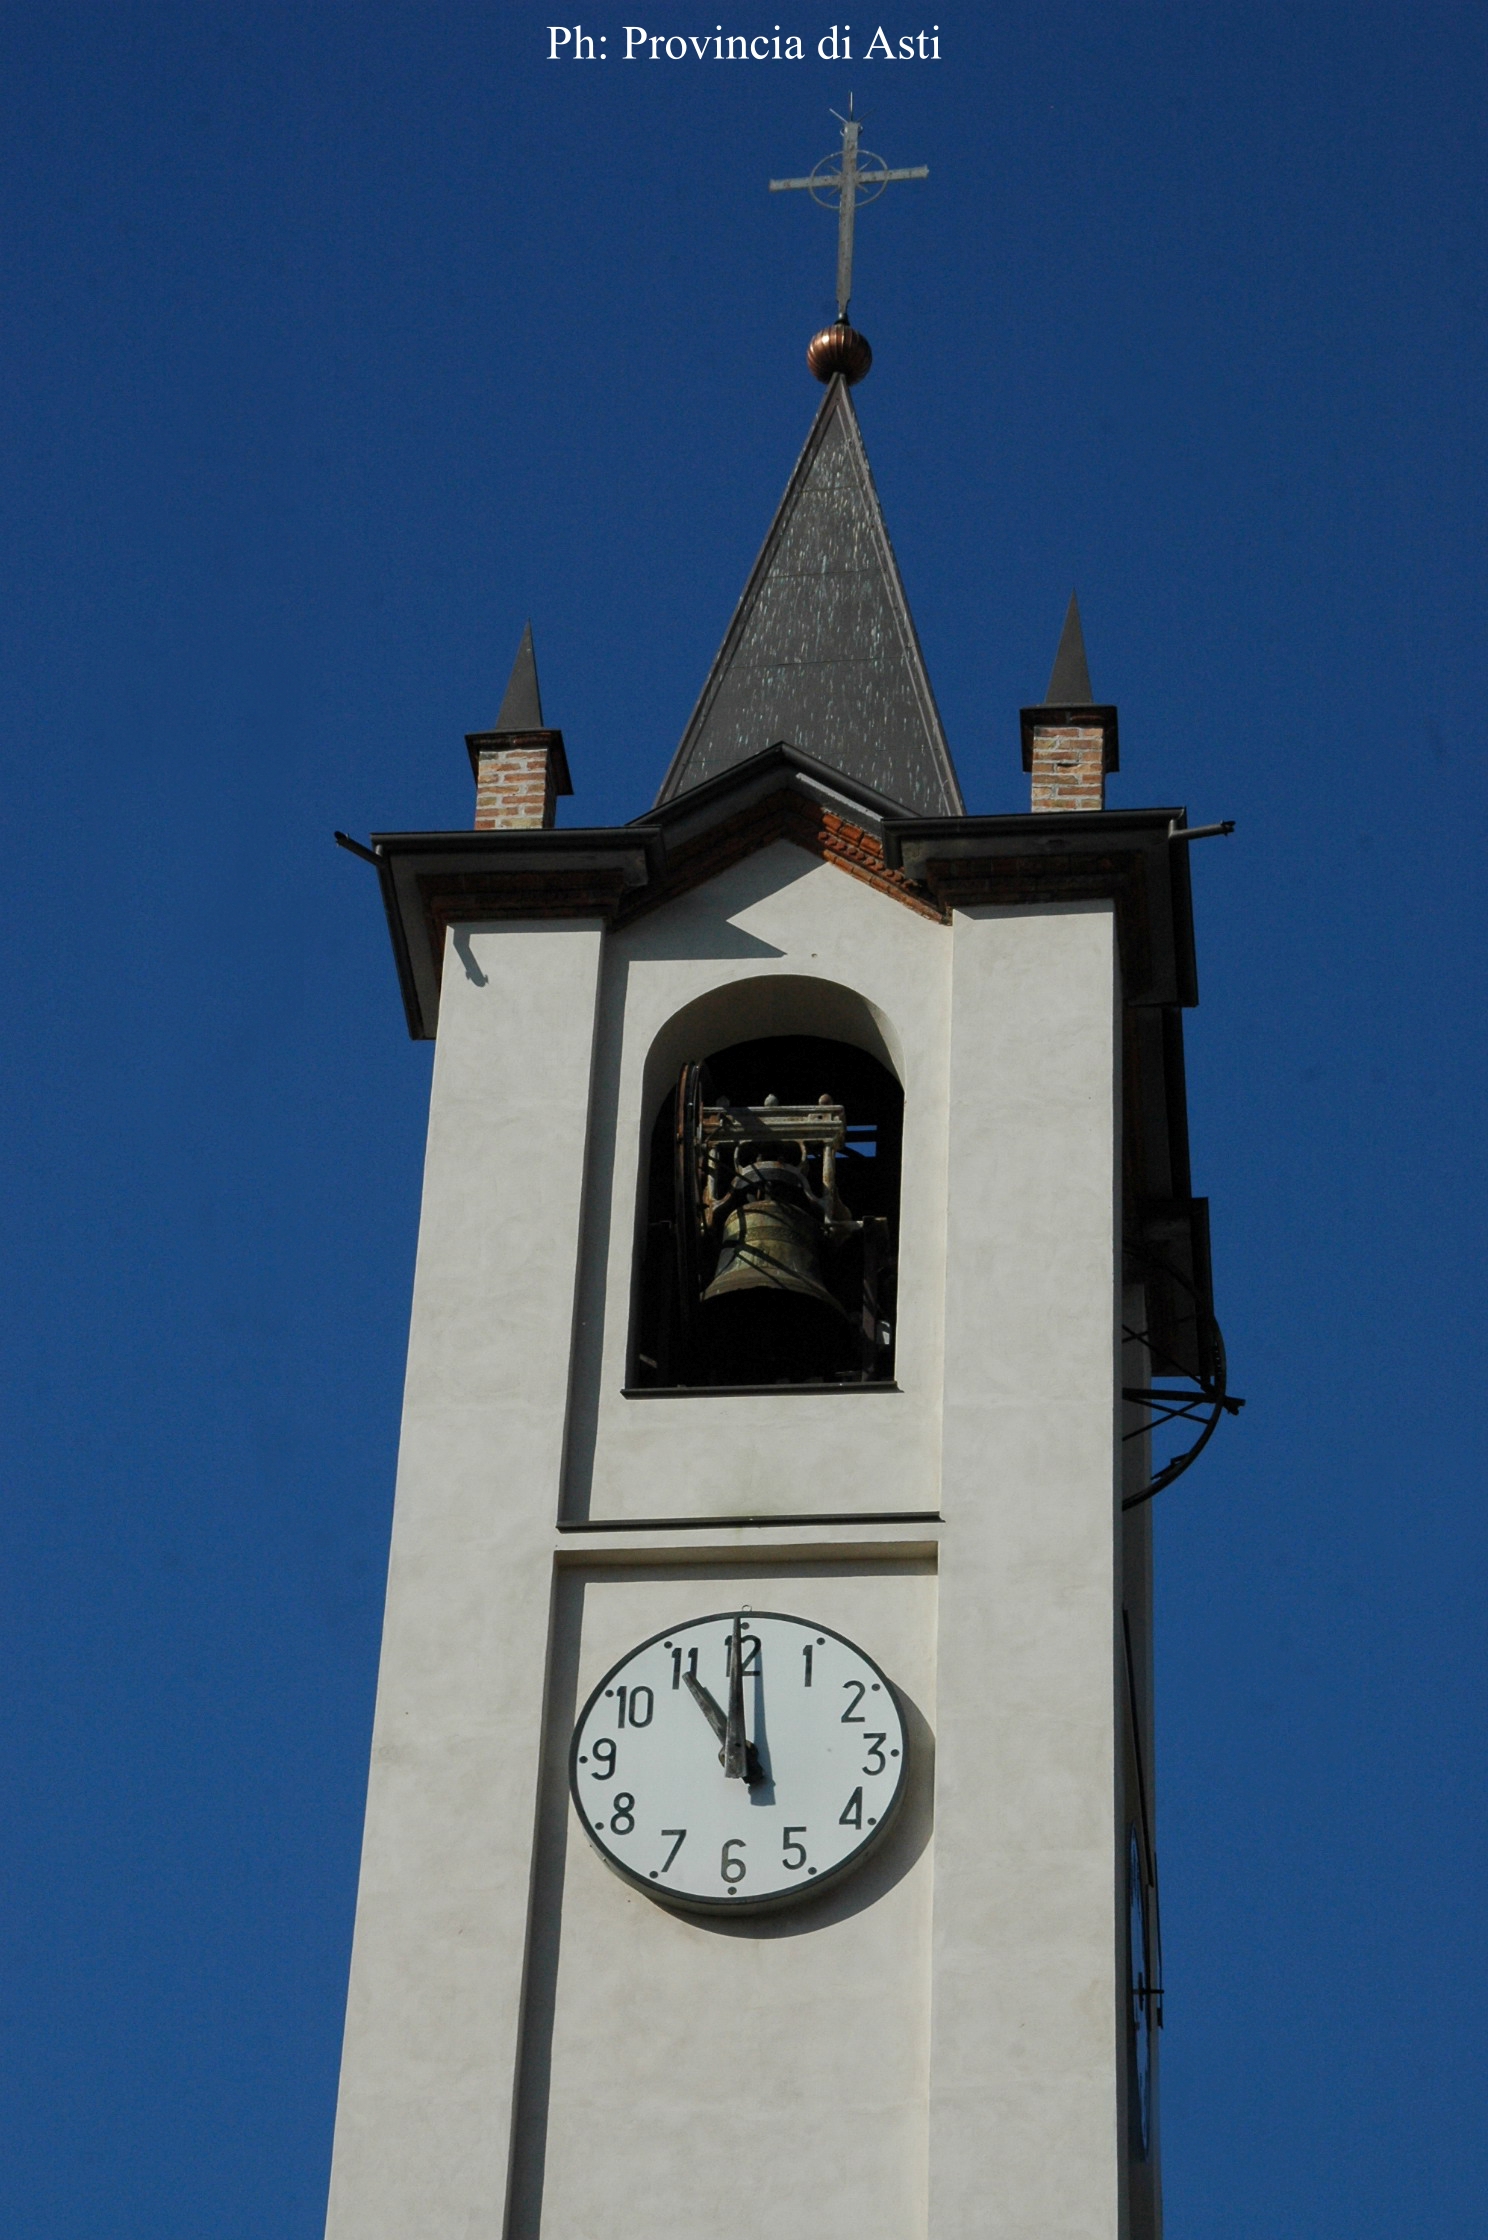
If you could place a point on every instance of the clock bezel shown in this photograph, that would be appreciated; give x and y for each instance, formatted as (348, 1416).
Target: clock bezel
(735, 1909)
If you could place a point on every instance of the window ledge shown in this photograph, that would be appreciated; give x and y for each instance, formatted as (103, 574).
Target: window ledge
(737, 1391)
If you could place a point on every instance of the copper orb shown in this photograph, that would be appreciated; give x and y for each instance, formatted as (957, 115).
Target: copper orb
(839, 349)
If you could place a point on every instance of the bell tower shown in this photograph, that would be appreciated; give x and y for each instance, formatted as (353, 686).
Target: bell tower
(760, 1834)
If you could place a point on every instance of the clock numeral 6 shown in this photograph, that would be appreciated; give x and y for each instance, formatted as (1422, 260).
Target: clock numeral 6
(791, 1844)
(732, 1869)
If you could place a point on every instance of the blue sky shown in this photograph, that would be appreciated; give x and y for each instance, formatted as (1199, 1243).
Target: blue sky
(339, 341)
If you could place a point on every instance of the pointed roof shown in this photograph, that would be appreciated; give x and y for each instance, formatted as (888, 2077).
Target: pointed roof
(822, 651)
(1069, 679)
(519, 720)
(521, 708)
(1068, 698)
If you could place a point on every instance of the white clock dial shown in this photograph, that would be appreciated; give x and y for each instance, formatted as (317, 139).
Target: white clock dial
(732, 1782)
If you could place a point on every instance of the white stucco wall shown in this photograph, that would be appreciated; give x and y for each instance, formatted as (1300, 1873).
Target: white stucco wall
(1024, 2140)
(428, 2071)
(934, 2055)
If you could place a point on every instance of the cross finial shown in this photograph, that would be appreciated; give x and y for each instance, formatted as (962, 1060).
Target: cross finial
(859, 177)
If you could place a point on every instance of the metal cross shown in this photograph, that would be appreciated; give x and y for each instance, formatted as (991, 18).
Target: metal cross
(859, 177)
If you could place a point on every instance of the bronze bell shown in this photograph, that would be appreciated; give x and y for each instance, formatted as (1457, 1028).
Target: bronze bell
(772, 1242)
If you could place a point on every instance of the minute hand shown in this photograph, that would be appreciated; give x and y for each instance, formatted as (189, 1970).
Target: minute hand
(735, 1747)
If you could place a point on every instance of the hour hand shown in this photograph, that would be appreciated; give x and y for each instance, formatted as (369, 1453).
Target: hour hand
(710, 1710)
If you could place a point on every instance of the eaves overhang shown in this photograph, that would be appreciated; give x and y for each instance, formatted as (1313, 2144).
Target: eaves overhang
(1132, 857)
(432, 880)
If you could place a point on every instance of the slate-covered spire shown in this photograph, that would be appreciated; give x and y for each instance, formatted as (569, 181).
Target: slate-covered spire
(822, 651)
(1070, 744)
(521, 707)
(1069, 679)
(519, 764)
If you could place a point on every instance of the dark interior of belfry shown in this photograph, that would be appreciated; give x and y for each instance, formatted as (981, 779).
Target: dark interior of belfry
(770, 1228)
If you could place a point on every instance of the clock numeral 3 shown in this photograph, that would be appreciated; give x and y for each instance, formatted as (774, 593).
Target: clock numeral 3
(875, 1744)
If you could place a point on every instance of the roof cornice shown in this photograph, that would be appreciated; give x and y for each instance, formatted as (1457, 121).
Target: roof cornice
(932, 865)
(432, 880)
(1129, 856)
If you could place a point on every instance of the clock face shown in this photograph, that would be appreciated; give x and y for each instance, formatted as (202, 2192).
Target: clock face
(738, 1761)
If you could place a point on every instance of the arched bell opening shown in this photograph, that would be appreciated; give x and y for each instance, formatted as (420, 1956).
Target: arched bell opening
(769, 1246)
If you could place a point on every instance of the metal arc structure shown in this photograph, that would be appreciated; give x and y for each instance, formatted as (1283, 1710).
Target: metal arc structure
(1198, 1398)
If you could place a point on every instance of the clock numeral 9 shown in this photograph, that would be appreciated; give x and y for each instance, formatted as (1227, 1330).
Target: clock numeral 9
(622, 1816)
(792, 1844)
(732, 1869)
(604, 1764)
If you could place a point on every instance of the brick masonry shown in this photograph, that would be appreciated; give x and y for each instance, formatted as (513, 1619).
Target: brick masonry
(516, 787)
(1069, 766)
(786, 815)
